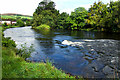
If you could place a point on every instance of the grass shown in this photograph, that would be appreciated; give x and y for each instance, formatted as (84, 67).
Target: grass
(14, 66)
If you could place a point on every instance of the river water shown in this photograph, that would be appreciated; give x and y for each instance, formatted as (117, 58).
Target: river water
(87, 54)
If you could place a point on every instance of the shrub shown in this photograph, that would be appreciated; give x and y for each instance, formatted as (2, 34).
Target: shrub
(6, 42)
(25, 51)
(43, 27)
(5, 24)
(20, 23)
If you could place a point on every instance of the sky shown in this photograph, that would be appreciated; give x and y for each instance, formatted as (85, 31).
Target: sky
(27, 7)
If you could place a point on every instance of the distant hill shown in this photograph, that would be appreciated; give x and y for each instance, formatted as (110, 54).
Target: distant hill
(15, 16)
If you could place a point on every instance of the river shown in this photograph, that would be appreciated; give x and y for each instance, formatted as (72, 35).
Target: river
(88, 54)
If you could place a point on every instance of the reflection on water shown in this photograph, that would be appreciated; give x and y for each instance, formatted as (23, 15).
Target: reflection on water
(83, 53)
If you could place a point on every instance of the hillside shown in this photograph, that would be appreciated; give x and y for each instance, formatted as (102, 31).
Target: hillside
(15, 16)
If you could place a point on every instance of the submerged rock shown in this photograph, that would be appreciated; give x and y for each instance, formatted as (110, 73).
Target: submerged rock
(63, 46)
(89, 59)
(108, 70)
(58, 42)
(95, 69)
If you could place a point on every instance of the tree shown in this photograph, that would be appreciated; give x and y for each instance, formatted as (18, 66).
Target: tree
(100, 16)
(80, 9)
(50, 6)
(45, 14)
(20, 23)
(62, 20)
(104, 17)
(75, 21)
(28, 23)
(96, 14)
(78, 18)
(113, 24)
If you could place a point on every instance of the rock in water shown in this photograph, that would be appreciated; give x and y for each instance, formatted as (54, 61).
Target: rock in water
(63, 46)
(66, 42)
(107, 70)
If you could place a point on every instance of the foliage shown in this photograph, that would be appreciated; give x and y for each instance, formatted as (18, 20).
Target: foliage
(75, 21)
(80, 9)
(45, 14)
(99, 17)
(5, 24)
(28, 23)
(61, 22)
(25, 51)
(104, 17)
(20, 23)
(6, 42)
(43, 27)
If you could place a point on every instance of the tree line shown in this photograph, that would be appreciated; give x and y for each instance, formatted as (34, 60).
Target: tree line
(100, 17)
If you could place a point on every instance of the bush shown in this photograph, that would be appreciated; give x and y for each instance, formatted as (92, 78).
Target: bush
(25, 52)
(43, 27)
(6, 42)
(28, 23)
(5, 24)
(20, 23)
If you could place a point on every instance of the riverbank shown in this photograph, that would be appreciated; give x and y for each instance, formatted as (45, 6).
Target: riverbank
(14, 66)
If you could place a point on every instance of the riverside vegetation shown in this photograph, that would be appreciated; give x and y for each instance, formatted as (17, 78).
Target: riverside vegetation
(19, 23)
(99, 17)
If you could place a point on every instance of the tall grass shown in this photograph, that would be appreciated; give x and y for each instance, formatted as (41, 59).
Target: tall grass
(16, 67)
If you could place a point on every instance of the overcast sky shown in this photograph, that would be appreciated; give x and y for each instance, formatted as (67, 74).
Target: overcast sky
(27, 7)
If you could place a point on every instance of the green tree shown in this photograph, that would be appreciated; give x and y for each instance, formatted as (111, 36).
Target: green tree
(75, 21)
(50, 6)
(78, 18)
(62, 20)
(20, 23)
(28, 23)
(80, 9)
(45, 14)
(104, 17)
(113, 17)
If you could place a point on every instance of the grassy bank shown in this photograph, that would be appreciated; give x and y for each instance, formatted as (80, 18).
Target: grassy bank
(14, 66)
